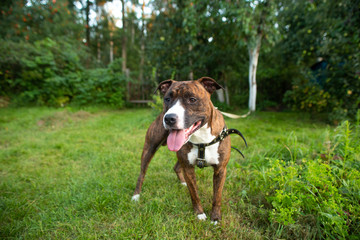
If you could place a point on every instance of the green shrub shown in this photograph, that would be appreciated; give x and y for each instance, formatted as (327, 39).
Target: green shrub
(326, 187)
(156, 104)
(50, 73)
(38, 73)
(307, 96)
(100, 86)
(338, 95)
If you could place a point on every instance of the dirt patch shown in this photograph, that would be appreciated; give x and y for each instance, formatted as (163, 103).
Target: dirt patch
(80, 115)
(59, 119)
(4, 101)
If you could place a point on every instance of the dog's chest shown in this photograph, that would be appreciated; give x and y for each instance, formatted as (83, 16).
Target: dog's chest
(203, 135)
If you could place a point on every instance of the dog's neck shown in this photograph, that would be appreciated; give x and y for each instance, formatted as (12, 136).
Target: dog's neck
(203, 135)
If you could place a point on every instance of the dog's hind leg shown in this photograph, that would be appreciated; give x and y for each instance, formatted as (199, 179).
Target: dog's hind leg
(155, 136)
(179, 173)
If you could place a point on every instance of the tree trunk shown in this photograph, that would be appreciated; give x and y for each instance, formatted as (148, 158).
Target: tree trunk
(132, 33)
(227, 99)
(220, 94)
(142, 53)
(123, 54)
(124, 40)
(87, 13)
(226, 89)
(111, 46)
(254, 51)
(191, 74)
(98, 50)
(98, 34)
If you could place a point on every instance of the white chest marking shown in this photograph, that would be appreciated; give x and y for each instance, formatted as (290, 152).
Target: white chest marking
(203, 135)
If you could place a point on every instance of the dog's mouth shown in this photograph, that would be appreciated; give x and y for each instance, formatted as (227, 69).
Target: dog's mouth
(178, 137)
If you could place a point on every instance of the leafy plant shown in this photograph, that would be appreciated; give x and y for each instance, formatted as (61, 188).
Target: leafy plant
(100, 86)
(50, 73)
(156, 104)
(325, 187)
(307, 96)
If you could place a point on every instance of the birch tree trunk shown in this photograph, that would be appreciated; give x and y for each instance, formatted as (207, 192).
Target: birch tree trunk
(220, 94)
(254, 50)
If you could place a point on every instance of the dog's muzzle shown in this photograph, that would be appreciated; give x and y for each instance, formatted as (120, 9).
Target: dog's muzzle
(170, 120)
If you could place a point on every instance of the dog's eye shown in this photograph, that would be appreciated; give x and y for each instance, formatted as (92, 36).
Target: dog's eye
(167, 99)
(192, 100)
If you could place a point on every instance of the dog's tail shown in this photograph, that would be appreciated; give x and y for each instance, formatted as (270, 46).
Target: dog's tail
(234, 116)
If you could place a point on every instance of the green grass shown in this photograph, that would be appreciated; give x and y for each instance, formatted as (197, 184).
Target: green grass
(70, 174)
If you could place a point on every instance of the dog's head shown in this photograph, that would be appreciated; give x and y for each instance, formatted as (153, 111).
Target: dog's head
(187, 107)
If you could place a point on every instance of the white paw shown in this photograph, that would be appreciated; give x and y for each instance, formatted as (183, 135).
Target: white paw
(214, 223)
(201, 216)
(184, 184)
(135, 198)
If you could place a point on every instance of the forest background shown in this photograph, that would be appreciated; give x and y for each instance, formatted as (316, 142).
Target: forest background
(62, 52)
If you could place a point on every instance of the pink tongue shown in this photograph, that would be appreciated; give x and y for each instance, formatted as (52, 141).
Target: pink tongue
(176, 140)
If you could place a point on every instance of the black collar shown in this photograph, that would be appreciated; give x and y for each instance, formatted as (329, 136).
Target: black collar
(200, 160)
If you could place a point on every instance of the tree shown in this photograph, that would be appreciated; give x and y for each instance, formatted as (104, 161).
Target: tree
(142, 49)
(326, 31)
(87, 26)
(124, 40)
(19, 21)
(254, 21)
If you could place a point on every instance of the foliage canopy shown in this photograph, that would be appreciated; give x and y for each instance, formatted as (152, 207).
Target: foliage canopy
(309, 59)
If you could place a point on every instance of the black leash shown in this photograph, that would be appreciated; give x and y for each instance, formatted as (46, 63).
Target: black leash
(200, 161)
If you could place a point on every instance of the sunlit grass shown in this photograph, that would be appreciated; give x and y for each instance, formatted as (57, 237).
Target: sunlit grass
(70, 174)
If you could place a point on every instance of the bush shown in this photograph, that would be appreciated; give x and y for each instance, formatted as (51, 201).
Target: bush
(37, 73)
(100, 86)
(326, 187)
(338, 95)
(50, 73)
(156, 104)
(307, 96)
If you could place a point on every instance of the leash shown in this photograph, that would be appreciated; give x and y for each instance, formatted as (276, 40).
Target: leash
(200, 161)
(234, 116)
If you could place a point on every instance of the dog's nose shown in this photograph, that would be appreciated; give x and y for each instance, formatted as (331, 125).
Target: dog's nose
(170, 119)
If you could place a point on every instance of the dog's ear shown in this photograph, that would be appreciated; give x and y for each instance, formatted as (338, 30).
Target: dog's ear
(164, 86)
(209, 84)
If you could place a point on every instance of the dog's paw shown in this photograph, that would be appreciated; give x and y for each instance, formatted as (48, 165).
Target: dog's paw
(184, 184)
(214, 223)
(201, 216)
(135, 198)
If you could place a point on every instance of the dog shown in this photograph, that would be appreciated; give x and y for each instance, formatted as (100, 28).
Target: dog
(192, 127)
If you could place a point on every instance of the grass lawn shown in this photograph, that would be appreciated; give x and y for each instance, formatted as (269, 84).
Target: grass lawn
(70, 174)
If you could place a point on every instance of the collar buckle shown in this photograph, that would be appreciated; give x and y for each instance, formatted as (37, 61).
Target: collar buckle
(200, 162)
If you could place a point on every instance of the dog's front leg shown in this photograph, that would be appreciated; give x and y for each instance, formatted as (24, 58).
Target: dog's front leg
(155, 136)
(218, 181)
(190, 178)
